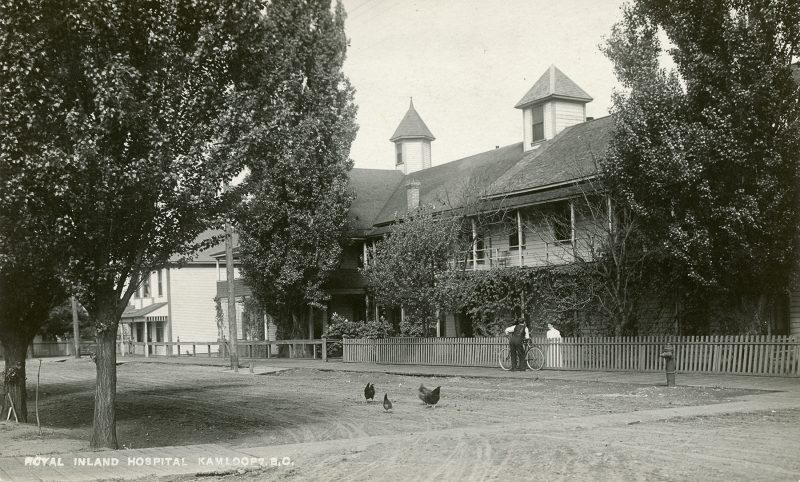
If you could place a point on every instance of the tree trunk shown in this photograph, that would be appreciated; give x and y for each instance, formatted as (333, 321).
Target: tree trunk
(14, 352)
(104, 432)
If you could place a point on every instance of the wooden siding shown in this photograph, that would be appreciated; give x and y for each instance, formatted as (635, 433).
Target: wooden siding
(143, 302)
(192, 301)
(527, 133)
(426, 155)
(567, 114)
(742, 355)
(412, 156)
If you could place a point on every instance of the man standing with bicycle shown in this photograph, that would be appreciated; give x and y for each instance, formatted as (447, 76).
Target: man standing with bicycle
(517, 334)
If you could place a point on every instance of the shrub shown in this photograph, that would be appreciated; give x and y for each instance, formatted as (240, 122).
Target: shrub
(340, 327)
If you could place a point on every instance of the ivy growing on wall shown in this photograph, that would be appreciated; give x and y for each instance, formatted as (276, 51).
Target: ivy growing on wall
(494, 299)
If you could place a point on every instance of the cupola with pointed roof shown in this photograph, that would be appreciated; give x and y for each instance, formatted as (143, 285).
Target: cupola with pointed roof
(412, 143)
(554, 103)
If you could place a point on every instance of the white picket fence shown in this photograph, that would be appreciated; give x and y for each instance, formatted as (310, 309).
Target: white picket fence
(745, 354)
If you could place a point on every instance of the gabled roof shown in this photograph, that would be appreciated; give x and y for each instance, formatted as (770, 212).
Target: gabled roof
(372, 189)
(445, 185)
(206, 256)
(553, 83)
(412, 126)
(569, 156)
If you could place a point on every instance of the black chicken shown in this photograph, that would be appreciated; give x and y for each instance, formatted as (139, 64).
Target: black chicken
(369, 392)
(387, 404)
(428, 396)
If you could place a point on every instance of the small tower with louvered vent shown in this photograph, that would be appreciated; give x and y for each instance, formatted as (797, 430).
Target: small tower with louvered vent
(554, 103)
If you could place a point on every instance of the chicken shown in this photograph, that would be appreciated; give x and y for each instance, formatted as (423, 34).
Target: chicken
(369, 392)
(428, 396)
(387, 404)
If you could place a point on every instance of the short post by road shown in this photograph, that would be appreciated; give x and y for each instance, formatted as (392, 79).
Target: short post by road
(669, 357)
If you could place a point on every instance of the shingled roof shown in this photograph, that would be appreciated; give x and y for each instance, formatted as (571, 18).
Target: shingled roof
(553, 83)
(569, 156)
(372, 189)
(412, 126)
(444, 185)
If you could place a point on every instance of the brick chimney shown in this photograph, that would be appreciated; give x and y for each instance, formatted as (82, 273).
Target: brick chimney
(412, 194)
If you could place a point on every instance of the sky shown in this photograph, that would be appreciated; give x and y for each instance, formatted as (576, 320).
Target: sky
(466, 63)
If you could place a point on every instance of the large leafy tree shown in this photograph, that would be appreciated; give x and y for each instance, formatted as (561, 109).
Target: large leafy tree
(706, 154)
(297, 147)
(31, 281)
(125, 102)
(410, 267)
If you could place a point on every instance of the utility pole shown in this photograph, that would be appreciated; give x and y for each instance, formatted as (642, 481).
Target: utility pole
(231, 296)
(76, 331)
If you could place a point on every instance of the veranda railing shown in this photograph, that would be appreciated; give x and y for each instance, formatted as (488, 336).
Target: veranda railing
(745, 354)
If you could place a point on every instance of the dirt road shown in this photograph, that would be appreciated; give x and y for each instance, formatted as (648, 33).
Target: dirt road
(482, 429)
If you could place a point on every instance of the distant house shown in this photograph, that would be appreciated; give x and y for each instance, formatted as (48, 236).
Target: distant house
(176, 303)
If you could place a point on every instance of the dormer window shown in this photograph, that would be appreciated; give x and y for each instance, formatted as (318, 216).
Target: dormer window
(398, 152)
(537, 123)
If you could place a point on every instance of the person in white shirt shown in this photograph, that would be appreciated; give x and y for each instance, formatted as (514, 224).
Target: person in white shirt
(516, 334)
(554, 359)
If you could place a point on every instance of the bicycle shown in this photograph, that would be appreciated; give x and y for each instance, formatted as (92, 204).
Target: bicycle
(534, 357)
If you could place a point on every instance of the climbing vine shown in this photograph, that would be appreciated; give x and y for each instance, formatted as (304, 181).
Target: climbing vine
(493, 299)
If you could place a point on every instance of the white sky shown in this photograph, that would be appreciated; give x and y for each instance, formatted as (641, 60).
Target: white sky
(466, 63)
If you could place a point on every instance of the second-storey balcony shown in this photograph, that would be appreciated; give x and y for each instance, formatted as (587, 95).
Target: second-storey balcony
(543, 253)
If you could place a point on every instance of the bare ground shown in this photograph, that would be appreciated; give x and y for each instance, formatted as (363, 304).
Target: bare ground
(482, 428)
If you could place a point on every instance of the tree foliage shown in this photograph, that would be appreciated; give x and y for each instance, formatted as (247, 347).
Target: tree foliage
(297, 145)
(407, 267)
(121, 104)
(59, 323)
(706, 154)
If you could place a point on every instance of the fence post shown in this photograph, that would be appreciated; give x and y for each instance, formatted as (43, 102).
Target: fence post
(325, 349)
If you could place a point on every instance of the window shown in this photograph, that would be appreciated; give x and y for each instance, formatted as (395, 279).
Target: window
(537, 123)
(398, 152)
(146, 286)
(160, 284)
(562, 223)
